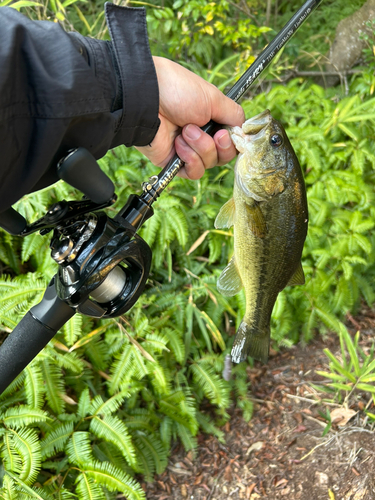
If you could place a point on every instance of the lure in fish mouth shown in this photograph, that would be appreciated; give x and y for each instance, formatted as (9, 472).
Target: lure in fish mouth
(269, 214)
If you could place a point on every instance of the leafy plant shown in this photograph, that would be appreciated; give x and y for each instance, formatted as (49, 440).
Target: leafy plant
(353, 371)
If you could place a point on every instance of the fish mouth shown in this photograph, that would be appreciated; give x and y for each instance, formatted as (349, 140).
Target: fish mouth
(257, 123)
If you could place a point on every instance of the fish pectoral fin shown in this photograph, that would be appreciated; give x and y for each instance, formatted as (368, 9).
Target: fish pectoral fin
(225, 217)
(298, 277)
(229, 282)
(257, 222)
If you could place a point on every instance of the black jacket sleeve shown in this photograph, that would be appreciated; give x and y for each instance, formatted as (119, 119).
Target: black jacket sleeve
(61, 90)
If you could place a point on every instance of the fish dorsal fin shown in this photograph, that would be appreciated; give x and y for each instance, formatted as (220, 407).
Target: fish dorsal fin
(225, 218)
(229, 282)
(298, 277)
(257, 222)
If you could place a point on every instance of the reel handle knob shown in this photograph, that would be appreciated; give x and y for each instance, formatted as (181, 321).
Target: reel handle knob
(80, 169)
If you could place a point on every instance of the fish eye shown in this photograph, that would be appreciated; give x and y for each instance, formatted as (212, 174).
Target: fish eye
(276, 140)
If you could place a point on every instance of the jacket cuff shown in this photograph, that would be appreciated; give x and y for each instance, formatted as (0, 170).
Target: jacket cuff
(140, 93)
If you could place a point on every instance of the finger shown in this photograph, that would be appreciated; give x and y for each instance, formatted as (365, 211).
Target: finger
(194, 166)
(226, 150)
(225, 110)
(202, 143)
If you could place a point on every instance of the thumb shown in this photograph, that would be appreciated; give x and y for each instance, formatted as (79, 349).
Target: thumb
(225, 110)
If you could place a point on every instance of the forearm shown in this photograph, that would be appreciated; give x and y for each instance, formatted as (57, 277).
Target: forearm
(59, 91)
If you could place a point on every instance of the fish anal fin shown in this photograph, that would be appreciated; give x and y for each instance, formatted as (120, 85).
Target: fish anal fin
(225, 217)
(298, 277)
(229, 282)
(257, 222)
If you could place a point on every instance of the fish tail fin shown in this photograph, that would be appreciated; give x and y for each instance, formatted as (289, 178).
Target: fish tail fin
(250, 342)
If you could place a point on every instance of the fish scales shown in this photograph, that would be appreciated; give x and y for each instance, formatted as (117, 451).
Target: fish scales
(269, 214)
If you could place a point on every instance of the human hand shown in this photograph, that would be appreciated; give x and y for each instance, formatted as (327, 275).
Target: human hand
(188, 102)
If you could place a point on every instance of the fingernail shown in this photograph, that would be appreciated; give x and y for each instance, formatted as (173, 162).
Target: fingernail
(225, 141)
(193, 132)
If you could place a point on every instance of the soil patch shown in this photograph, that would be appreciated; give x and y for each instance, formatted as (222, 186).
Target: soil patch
(281, 452)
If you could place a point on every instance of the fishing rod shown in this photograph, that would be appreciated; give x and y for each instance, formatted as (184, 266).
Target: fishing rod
(103, 263)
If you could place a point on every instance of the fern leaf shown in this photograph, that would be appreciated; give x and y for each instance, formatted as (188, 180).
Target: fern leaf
(88, 489)
(215, 388)
(54, 385)
(34, 386)
(14, 386)
(115, 480)
(27, 445)
(31, 493)
(78, 448)
(175, 343)
(188, 440)
(178, 221)
(112, 429)
(8, 490)
(73, 329)
(121, 368)
(100, 407)
(68, 360)
(165, 430)
(22, 415)
(12, 460)
(160, 378)
(84, 403)
(152, 448)
(55, 440)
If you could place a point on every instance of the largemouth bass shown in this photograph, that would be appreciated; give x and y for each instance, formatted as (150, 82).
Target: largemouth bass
(269, 214)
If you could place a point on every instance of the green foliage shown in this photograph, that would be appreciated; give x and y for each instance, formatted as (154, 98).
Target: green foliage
(101, 403)
(353, 370)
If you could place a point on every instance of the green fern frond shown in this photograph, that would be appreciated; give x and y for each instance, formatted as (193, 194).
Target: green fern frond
(34, 386)
(73, 329)
(208, 427)
(177, 413)
(32, 244)
(121, 368)
(22, 415)
(20, 293)
(55, 440)
(68, 360)
(88, 489)
(8, 490)
(215, 388)
(24, 491)
(100, 407)
(54, 385)
(113, 430)
(176, 343)
(26, 443)
(78, 448)
(84, 403)
(114, 479)
(150, 446)
(107, 452)
(188, 440)
(160, 378)
(12, 387)
(12, 460)
(166, 429)
(178, 221)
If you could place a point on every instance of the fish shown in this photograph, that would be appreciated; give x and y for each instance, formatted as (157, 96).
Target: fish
(269, 214)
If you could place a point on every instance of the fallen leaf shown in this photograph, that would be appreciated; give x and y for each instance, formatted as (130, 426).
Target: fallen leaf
(341, 416)
(255, 447)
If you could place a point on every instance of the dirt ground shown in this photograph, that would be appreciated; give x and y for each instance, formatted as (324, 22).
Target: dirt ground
(281, 452)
